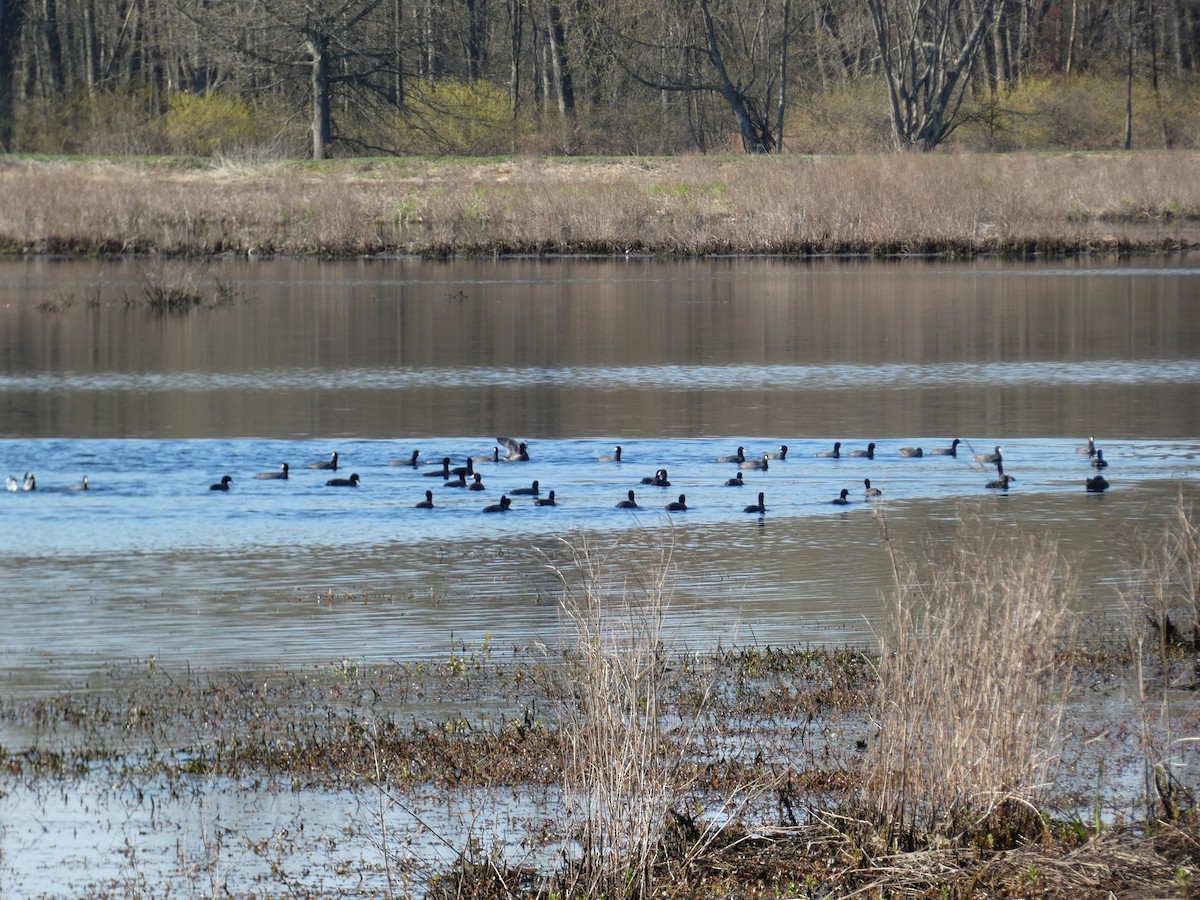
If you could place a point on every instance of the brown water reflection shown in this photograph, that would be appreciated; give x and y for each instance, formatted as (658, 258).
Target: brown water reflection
(568, 348)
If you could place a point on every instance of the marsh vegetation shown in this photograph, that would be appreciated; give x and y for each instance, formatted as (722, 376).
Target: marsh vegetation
(1017, 205)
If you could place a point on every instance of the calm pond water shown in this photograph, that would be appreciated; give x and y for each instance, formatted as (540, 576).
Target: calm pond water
(679, 362)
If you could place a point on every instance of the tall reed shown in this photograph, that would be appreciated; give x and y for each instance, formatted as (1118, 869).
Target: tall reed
(972, 683)
(1162, 603)
(627, 773)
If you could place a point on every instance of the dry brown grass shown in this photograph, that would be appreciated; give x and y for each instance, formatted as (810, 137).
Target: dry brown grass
(628, 776)
(973, 675)
(1162, 604)
(1018, 203)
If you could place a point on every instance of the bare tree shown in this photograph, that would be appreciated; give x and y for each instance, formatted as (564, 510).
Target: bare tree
(735, 49)
(926, 50)
(326, 38)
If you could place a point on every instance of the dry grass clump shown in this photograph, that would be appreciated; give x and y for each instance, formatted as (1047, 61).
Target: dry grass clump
(973, 673)
(618, 765)
(1163, 626)
(687, 206)
(627, 777)
(1169, 579)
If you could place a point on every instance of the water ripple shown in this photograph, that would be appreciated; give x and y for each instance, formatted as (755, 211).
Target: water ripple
(663, 377)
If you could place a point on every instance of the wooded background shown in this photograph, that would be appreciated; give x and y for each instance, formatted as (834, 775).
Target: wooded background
(318, 78)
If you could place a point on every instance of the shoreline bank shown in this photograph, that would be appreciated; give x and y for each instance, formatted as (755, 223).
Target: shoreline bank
(939, 206)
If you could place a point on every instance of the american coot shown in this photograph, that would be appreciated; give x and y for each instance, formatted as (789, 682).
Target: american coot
(442, 473)
(736, 481)
(459, 482)
(841, 499)
(516, 451)
(352, 481)
(476, 484)
(679, 505)
(502, 506)
(615, 456)
(835, 453)
(548, 500)
(763, 463)
(223, 484)
(532, 491)
(658, 479)
(411, 461)
(1099, 462)
(331, 463)
(952, 450)
(869, 453)
(781, 453)
(1097, 484)
(1001, 483)
(760, 506)
(268, 476)
(912, 452)
(871, 491)
(735, 458)
(427, 503)
(993, 457)
(628, 503)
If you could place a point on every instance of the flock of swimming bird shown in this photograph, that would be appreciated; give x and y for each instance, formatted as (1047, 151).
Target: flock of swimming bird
(466, 477)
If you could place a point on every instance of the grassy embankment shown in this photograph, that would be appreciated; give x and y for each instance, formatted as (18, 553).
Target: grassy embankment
(957, 762)
(935, 204)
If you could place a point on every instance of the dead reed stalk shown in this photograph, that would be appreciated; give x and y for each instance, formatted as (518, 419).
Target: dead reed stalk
(627, 773)
(1162, 604)
(617, 766)
(972, 681)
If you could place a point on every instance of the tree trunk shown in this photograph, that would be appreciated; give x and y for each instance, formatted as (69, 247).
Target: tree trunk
(12, 15)
(1129, 84)
(516, 31)
(91, 44)
(54, 56)
(1071, 38)
(564, 86)
(397, 97)
(756, 133)
(320, 96)
(783, 74)
(474, 46)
